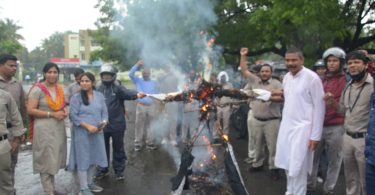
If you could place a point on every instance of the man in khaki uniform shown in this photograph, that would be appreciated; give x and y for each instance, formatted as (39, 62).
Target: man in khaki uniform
(8, 68)
(264, 121)
(224, 110)
(8, 114)
(355, 104)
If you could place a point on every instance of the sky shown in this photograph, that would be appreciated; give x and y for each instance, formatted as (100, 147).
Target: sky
(39, 19)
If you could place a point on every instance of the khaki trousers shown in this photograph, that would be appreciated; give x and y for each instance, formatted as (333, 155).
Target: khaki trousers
(223, 113)
(264, 132)
(250, 145)
(170, 117)
(144, 116)
(6, 184)
(190, 124)
(354, 165)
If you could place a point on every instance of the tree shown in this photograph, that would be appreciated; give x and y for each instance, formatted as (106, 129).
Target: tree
(37, 59)
(9, 37)
(265, 26)
(113, 49)
(275, 25)
(53, 46)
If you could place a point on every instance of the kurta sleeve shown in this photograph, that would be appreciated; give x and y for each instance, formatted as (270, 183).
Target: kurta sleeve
(317, 95)
(104, 110)
(15, 118)
(75, 105)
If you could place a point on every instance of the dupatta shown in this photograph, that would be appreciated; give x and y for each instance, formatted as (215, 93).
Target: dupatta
(56, 105)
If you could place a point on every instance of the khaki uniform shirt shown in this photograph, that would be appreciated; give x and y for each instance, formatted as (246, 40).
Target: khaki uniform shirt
(224, 99)
(262, 109)
(355, 103)
(9, 113)
(16, 90)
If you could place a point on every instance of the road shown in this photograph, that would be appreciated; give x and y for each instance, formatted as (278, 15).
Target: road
(149, 172)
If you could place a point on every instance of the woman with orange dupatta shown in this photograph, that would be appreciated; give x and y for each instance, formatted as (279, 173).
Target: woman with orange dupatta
(46, 106)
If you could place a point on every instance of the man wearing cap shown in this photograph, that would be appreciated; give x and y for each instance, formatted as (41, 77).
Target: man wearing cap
(9, 115)
(355, 104)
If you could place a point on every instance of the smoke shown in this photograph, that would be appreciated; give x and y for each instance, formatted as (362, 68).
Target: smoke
(167, 31)
(173, 35)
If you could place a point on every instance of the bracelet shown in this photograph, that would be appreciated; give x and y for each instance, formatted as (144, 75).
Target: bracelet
(48, 114)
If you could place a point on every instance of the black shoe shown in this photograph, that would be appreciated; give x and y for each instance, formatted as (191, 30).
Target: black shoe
(100, 174)
(255, 169)
(275, 176)
(119, 176)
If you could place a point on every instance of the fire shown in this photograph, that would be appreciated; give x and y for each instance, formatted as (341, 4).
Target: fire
(191, 97)
(225, 137)
(209, 148)
(205, 108)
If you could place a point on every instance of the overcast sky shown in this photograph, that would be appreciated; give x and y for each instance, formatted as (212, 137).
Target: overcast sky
(41, 18)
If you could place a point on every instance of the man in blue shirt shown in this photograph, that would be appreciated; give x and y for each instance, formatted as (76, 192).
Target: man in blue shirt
(146, 107)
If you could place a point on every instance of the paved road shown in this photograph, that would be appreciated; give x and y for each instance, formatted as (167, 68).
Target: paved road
(149, 172)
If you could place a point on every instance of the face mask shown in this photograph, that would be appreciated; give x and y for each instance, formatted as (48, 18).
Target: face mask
(107, 83)
(359, 76)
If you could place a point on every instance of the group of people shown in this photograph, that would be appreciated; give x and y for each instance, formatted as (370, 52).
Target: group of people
(305, 115)
(311, 115)
(96, 114)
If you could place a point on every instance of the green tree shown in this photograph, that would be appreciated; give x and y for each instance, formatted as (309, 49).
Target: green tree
(9, 37)
(274, 25)
(37, 58)
(53, 46)
(265, 26)
(113, 49)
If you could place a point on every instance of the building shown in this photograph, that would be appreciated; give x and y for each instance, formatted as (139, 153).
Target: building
(79, 45)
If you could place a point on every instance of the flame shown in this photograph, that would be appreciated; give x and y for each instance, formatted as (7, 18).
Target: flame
(209, 148)
(225, 137)
(191, 97)
(205, 107)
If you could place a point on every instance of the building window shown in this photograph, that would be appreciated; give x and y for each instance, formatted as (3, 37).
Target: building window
(94, 44)
(83, 56)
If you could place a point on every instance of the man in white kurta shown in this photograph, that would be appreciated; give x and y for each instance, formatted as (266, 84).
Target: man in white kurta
(301, 124)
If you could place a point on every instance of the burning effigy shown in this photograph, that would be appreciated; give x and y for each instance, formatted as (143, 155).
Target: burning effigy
(193, 171)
